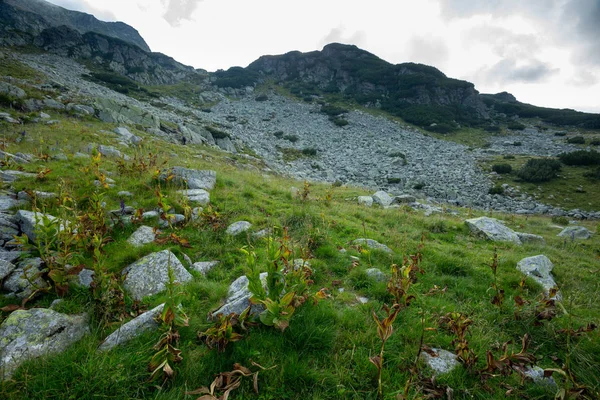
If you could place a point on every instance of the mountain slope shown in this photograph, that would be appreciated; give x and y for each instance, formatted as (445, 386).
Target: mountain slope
(50, 15)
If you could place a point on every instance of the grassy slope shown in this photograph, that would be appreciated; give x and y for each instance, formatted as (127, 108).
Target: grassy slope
(324, 353)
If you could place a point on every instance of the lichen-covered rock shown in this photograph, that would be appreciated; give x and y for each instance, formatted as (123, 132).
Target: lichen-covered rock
(28, 334)
(200, 196)
(441, 362)
(148, 275)
(372, 244)
(238, 297)
(6, 268)
(143, 235)
(204, 266)
(12, 90)
(192, 178)
(404, 199)
(86, 277)
(376, 275)
(142, 323)
(492, 229)
(9, 176)
(365, 200)
(25, 279)
(575, 232)
(382, 198)
(30, 222)
(127, 136)
(538, 268)
(531, 238)
(238, 227)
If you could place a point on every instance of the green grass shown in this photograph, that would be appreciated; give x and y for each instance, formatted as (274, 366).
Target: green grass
(324, 354)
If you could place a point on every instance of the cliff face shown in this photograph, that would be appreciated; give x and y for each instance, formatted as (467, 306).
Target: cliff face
(351, 71)
(49, 15)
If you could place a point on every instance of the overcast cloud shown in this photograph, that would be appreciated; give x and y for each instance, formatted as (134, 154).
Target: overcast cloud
(545, 52)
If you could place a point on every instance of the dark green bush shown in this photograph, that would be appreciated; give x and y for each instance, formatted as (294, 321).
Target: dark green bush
(580, 157)
(502, 168)
(309, 151)
(394, 180)
(397, 154)
(492, 129)
(278, 134)
(262, 97)
(576, 140)
(594, 174)
(333, 111)
(595, 142)
(516, 126)
(291, 138)
(539, 170)
(560, 134)
(216, 132)
(517, 144)
(509, 157)
(418, 186)
(340, 121)
(496, 190)
(440, 128)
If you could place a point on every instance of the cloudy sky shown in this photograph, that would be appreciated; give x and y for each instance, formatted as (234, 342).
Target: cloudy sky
(545, 52)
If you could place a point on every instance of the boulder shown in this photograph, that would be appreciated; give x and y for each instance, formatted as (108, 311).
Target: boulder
(365, 200)
(441, 362)
(575, 232)
(204, 266)
(192, 178)
(382, 198)
(30, 222)
(404, 199)
(9, 176)
(238, 297)
(107, 151)
(148, 275)
(492, 229)
(127, 136)
(372, 244)
(200, 196)
(81, 109)
(538, 268)
(531, 238)
(33, 333)
(143, 235)
(376, 275)
(25, 279)
(11, 90)
(139, 325)
(238, 227)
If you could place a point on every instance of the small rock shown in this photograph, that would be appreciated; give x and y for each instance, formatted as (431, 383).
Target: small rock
(204, 266)
(365, 200)
(531, 238)
(262, 233)
(539, 268)
(372, 244)
(193, 179)
(404, 199)
(238, 297)
(238, 227)
(125, 193)
(536, 374)
(376, 275)
(442, 363)
(6, 267)
(492, 229)
(382, 198)
(30, 222)
(86, 277)
(132, 329)
(196, 195)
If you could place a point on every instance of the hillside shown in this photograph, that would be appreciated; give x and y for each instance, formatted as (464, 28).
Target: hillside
(259, 234)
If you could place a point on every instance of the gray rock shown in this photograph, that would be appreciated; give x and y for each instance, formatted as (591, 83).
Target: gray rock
(172, 219)
(127, 136)
(194, 179)
(376, 275)
(443, 363)
(6, 267)
(139, 325)
(29, 222)
(200, 196)
(538, 268)
(382, 198)
(372, 244)
(25, 279)
(7, 203)
(150, 214)
(19, 158)
(9, 176)
(404, 199)
(492, 229)
(204, 266)
(225, 144)
(81, 109)
(125, 193)
(300, 263)
(12, 90)
(238, 227)
(22, 195)
(53, 104)
(238, 297)
(536, 374)
(365, 200)
(575, 232)
(107, 151)
(262, 233)
(531, 238)
(81, 155)
(148, 275)
(10, 256)
(86, 277)
(143, 235)
(28, 334)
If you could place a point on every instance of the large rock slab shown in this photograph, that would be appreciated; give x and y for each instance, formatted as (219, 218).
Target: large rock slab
(29, 222)
(143, 235)
(492, 229)
(127, 136)
(538, 268)
(575, 232)
(238, 297)
(132, 329)
(28, 334)
(404, 199)
(441, 362)
(372, 244)
(238, 227)
(6, 267)
(148, 275)
(204, 266)
(10, 176)
(382, 198)
(193, 178)
(200, 196)
(12, 90)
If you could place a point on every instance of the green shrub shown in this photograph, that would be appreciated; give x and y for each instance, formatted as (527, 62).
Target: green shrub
(576, 140)
(291, 138)
(418, 186)
(561, 220)
(560, 133)
(492, 129)
(502, 168)
(307, 151)
(593, 174)
(339, 121)
(580, 157)
(517, 144)
(497, 189)
(397, 154)
(441, 128)
(394, 180)
(333, 111)
(278, 134)
(509, 157)
(216, 132)
(516, 126)
(262, 97)
(308, 99)
(595, 142)
(539, 170)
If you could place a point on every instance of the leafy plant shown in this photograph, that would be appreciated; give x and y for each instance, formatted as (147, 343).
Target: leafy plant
(539, 170)
(227, 329)
(458, 323)
(502, 168)
(109, 304)
(508, 363)
(498, 299)
(171, 317)
(385, 329)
